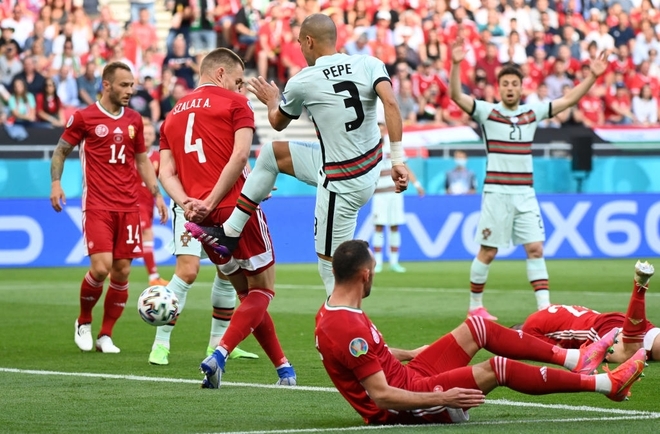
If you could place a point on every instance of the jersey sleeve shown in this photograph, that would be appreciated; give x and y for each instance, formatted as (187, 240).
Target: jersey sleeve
(74, 133)
(163, 137)
(481, 110)
(242, 114)
(292, 99)
(356, 351)
(541, 110)
(378, 71)
(140, 147)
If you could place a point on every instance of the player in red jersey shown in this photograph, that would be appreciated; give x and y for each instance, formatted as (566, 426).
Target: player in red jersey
(111, 147)
(205, 142)
(573, 326)
(437, 385)
(146, 202)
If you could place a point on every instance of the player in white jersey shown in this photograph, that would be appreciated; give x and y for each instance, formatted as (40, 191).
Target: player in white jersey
(509, 209)
(387, 208)
(340, 93)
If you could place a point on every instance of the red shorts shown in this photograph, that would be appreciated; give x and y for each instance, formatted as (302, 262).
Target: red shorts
(254, 253)
(146, 214)
(113, 231)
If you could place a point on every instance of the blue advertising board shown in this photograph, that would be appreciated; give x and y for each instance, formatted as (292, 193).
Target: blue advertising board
(438, 228)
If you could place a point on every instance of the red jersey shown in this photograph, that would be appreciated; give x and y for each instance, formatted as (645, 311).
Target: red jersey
(571, 326)
(145, 198)
(591, 106)
(108, 145)
(537, 72)
(352, 349)
(637, 81)
(199, 131)
(453, 110)
(421, 83)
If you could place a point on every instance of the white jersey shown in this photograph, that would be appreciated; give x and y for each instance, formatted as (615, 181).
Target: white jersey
(509, 136)
(339, 93)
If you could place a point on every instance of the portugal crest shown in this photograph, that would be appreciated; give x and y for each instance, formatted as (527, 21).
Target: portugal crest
(486, 233)
(185, 238)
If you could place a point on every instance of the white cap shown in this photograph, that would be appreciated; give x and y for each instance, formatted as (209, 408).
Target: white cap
(384, 15)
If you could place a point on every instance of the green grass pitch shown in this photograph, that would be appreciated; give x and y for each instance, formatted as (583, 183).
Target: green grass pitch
(48, 386)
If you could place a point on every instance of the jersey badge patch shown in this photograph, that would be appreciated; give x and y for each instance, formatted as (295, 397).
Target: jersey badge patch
(101, 130)
(514, 119)
(486, 233)
(185, 238)
(69, 122)
(250, 105)
(358, 347)
(375, 334)
(131, 131)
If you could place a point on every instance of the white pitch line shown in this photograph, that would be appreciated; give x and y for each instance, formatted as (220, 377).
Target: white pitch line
(505, 402)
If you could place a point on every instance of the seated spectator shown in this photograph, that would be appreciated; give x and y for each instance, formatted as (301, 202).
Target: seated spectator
(494, 26)
(407, 103)
(539, 66)
(292, 57)
(51, 28)
(406, 54)
(424, 78)
(571, 64)
(32, 78)
(182, 16)
(246, 25)
(644, 41)
(68, 58)
(557, 79)
(382, 27)
(566, 117)
(359, 45)
(539, 42)
(7, 38)
(21, 22)
(41, 60)
(82, 31)
(89, 85)
(151, 66)
(60, 12)
(645, 107)
(270, 40)
(109, 25)
(38, 33)
(623, 62)
(623, 32)
(67, 89)
(224, 13)
(145, 104)
(636, 80)
(168, 102)
(183, 65)
(571, 40)
(144, 31)
(618, 107)
(433, 49)
(22, 105)
(590, 109)
(453, 115)
(96, 56)
(602, 38)
(543, 7)
(541, 96)
(490, 63)
(512, 50)
(118, 55)
(49, 108)
(382, 48)
(10, 64)
(490, 94)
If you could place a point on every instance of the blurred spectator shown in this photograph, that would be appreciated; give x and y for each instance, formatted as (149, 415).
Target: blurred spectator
(424, 78)
(82, 31)
(357, 15)
(571, 64)
(246, 25)
(512, 50)
(150, 67)
(429, 105)
(490, 63)
(21, 104)
(407, 103)
(557, 79)
(636, 80)
(493, 25)
(10, 64)
(34, 81)
(59, 12)
(118, 55)
(89, 85)
(182, 15)
(570, 41)
(67, 57)
(51, 28)
(519, 11)
(406, 54)
(144, 31)
(654, 68)
(623, 32)
(292, 57)
(145, 104)
(590, 110)
(542, 7)
(67, 89)
(270, 40)
(38, 33)
(623, 62)
(645, 107)
(41, 60)
(20, 22)
(183, 65)
(453, 115)
(409, 30)
(618, 106)
(602, 38)
(224, 13)
(137, 6)
(539, 41)
(203, 38)
(381, 48)
(7, 38)
(539, 66)
(110, 26)
(565, 117)
(49, 108)
(433, 49)
(79, 47)
(644, 41)
(460, 180)
(381, 29)
(541, 96)
(168, 102)
(95, 55)
(359, 45)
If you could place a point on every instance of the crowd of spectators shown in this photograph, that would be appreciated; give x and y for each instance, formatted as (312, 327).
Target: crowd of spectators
(53, 51)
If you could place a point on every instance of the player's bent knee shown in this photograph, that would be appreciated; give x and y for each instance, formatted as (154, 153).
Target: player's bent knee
(487, 254)
(484, 376)
(187, 268)
(534, 250)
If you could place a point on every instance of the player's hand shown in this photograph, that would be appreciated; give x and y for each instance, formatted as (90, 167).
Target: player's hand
(263, 90)
(461, 398)
(458, 51)
(57, 197)
(195, 210)
(414, 353)
(599, 65)
(163, 212)
(400, 178)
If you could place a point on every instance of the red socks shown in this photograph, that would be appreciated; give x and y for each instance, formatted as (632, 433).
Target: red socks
(513, 343)
(539, 380)
(247, 317)
(90, 292)
(634, 326)
(113, 306)
(267, 338)
(148, 256)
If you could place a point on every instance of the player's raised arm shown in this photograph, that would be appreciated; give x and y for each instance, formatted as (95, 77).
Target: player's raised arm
(394, 124)
(597, 68)
(57, 197)
(464, 101)
(269, 94)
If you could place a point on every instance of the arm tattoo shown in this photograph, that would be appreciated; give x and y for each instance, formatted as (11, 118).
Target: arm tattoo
(62, 150)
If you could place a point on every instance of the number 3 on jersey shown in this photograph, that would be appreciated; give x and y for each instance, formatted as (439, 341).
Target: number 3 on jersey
(353, 101)
(188, 146)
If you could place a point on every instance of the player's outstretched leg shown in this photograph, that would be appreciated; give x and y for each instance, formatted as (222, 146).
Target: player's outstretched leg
(591, 356)
(625, 375)
(634, 326)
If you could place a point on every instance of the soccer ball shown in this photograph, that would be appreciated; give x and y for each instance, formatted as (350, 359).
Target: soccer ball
(158, 306)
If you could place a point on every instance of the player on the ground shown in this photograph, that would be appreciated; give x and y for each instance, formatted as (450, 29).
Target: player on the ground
(573, 326)
(188, 252)
(205, 144)
(509, 209)
(146, 203)
(111, 147)
(340, 93)
(437, 385)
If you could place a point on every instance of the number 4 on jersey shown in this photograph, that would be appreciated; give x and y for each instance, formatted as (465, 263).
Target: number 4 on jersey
(188, 146)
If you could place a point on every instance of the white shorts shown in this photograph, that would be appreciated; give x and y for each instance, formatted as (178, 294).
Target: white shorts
(182, 242)
(307, 161)
(387, 209)
(335, 217)
(507, 218)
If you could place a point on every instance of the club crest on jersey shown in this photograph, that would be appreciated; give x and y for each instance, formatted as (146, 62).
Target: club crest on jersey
(131, 131)
(358, 347)
(185, 238)
(375, 334)
(69, 122)
(514, 119)
(101, 130)
(486, 233)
